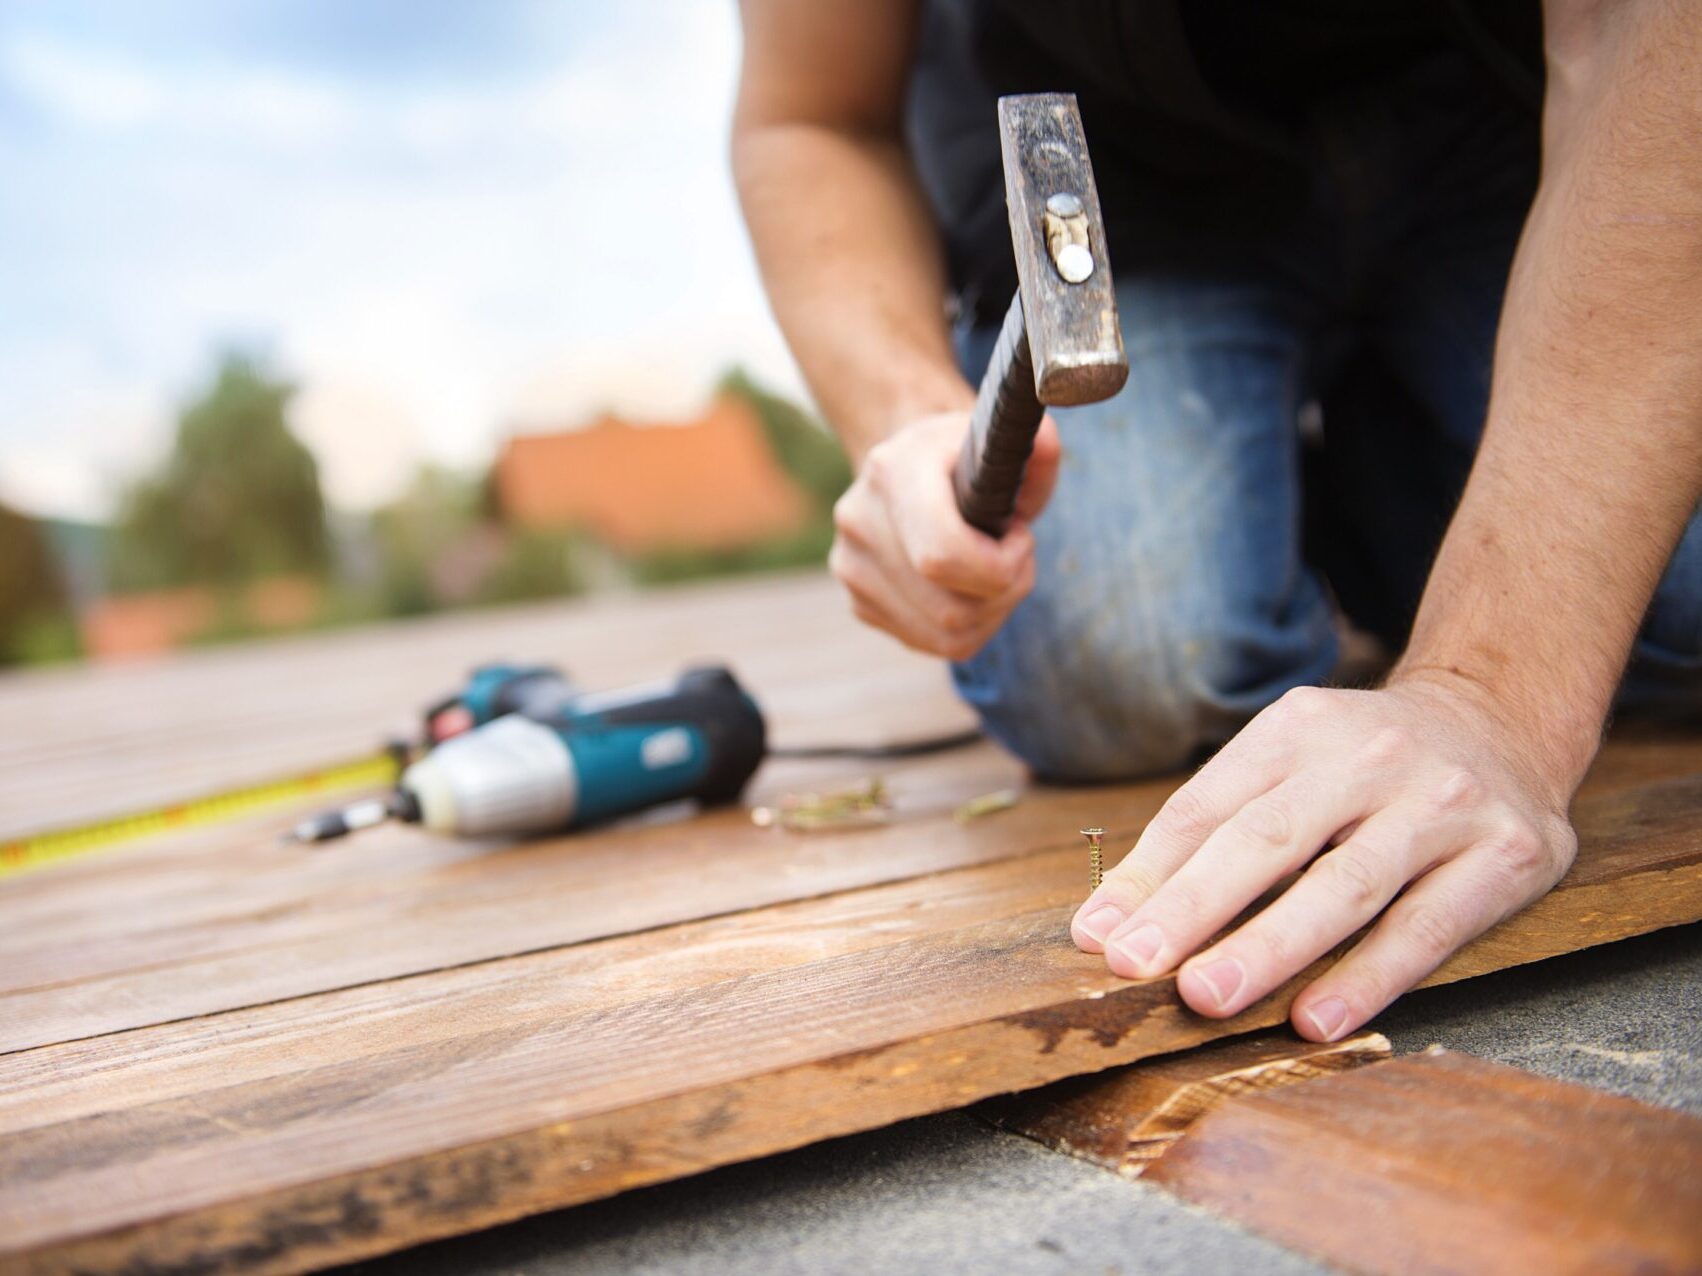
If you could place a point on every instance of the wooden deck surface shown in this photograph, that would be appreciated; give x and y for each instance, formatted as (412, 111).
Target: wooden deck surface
(220, 1052)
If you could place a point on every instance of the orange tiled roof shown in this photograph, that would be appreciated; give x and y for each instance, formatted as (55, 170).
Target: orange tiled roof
(712, 483)
(145, 624)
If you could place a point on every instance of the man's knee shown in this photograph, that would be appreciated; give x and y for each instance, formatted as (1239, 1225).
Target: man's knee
(1093, 717)
(1105, 697)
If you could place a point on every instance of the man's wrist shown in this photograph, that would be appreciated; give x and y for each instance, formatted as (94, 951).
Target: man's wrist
(1554, 737)
(926, 395)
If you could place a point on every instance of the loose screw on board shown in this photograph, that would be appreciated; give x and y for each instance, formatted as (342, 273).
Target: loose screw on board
(1095, 857)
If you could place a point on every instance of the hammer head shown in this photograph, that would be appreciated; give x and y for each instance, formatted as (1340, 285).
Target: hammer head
(1063, 269)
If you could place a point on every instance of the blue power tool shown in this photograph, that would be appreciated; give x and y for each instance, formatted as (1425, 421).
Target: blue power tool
(494, 690)
(520, 751)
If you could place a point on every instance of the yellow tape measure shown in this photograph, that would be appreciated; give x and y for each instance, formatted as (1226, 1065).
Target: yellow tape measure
(36, 849)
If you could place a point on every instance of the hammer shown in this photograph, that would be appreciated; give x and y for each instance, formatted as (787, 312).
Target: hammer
(1060, 344)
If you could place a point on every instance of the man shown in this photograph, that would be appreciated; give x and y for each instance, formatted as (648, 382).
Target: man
(1314, 209)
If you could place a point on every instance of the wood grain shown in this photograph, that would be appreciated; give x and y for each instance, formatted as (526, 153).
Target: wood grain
(1444, 1163)
(105, 739)
(299, 920)
(218, 1053)
(1125, 1118)
(282, 1138)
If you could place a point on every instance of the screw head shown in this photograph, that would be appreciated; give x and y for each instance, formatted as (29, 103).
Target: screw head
(1064, 204)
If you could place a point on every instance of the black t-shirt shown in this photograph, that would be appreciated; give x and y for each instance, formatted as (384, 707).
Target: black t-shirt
(1192, 108)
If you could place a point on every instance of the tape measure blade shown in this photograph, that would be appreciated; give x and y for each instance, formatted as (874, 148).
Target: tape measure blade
(49, 845)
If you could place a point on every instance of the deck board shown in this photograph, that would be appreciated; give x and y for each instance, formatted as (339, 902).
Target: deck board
(216, 1051)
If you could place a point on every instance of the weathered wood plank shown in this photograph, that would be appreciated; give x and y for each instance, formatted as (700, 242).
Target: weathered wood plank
(105, 739)
(228, 1053)
(1125, 1118)
(298, 928)
(1444, 1163)
(490, 1092)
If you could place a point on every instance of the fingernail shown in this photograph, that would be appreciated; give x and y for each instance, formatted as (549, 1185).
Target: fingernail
(1102, 921)
(1328, 1016)
(1222, 979)
(1140, 946)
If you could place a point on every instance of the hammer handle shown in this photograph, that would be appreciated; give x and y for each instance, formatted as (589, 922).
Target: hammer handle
(1001, 431)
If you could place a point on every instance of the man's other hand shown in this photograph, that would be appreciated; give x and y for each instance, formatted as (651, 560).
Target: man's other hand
(1415, 799)
(910, 563)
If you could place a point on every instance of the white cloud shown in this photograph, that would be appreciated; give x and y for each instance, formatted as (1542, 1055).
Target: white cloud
(457, 259)
(92, 435)
(366, 442)
(96, 90)
(85, 87)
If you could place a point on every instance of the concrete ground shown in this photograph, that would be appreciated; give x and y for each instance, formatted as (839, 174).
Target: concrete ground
(948, 1194)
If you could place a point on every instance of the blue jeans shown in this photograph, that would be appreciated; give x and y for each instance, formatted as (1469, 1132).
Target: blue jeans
(1195, 552)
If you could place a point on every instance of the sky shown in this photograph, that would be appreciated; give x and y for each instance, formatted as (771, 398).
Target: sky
(443, 221)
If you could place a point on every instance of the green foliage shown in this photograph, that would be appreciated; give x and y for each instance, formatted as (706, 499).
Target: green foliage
(35, 622)
(807, 548)
(535, 565)
(438, 511)
(43, 638)
(799, 442)
(237, 499)
(437, 548)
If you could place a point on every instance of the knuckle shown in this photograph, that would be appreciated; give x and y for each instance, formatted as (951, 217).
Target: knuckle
(1302, 704)
(1187, 816)
(1352, 877)
(934, 562)
(847, 516)
(1520, 849)
(952, 618)
(1430, 932)
(1460, 790)
(1266, 824)
(1387, 745)
(877, 467)
(1023, 578)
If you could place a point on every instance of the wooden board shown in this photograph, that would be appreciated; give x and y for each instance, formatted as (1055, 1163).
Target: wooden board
(217, 1052)
(105, 739)
(1444, 1163)
(1126, 1118)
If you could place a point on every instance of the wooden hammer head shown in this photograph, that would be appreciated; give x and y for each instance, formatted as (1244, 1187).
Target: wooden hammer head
(1063, 269)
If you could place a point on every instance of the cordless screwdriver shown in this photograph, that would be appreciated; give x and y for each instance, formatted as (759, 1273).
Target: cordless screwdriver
(521, 751)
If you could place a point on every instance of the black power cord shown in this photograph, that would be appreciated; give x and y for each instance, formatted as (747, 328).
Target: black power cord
(901, 749)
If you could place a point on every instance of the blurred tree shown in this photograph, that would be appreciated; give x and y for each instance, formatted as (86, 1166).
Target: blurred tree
(438, 509)
(438, 547)
(35, 620)
(799, 442)
(536, 565)
(237, 499)
(805, 548)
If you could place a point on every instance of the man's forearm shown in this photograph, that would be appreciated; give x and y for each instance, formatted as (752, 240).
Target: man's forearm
(1591, 461)
(853, 269)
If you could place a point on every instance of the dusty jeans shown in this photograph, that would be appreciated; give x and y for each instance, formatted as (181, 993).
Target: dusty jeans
(1183, 560)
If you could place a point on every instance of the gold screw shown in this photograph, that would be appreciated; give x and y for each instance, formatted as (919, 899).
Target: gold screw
(1095, 857)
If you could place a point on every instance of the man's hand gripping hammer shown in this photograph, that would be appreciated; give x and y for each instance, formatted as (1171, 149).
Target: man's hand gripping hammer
(1060, 344)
